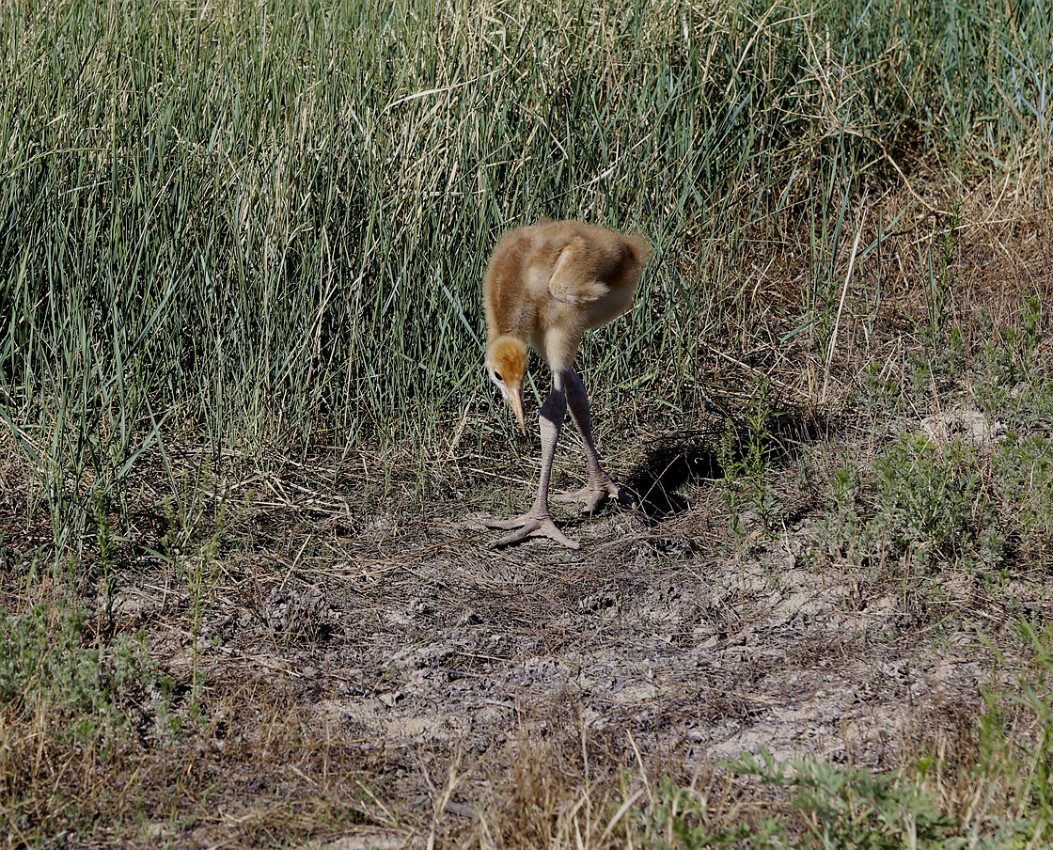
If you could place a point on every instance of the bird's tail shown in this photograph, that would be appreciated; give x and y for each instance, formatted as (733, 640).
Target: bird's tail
(641, 247)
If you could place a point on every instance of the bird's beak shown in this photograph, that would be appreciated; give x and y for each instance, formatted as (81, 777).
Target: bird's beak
(515, 399)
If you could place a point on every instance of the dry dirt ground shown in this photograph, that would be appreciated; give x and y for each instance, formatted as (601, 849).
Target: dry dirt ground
(405, 652)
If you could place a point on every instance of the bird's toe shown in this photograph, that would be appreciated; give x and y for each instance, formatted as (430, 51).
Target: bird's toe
(529, 525)
(585, 494)
(595, 496)
(550, 530)
(597, 499)
(506, 524)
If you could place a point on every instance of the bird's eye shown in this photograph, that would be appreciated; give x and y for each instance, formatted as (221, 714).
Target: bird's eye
(498, 376)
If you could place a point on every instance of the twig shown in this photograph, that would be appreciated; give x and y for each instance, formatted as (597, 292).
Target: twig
(841, 305)
(755, 371)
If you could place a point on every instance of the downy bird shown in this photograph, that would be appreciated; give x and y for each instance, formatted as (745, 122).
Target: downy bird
(545, 285)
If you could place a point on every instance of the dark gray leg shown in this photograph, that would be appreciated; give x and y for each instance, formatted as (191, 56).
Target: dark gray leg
(600, 486)
(537, 522)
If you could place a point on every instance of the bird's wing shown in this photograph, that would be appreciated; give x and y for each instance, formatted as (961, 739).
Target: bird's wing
(573, 276)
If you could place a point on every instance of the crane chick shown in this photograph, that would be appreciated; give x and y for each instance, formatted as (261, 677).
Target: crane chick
(546, 285)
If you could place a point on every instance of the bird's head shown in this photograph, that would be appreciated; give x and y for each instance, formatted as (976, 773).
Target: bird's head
(506, 361)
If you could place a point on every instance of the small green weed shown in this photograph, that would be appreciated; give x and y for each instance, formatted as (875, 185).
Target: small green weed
(840, 529)
(920, 504)
(1016, 744)
(1013, 371)
(1023, 473)
(46, 664)
(745, 455)
(677, 819)
(927, 499)
(940, 279)
(1009, 355)
(849, 807)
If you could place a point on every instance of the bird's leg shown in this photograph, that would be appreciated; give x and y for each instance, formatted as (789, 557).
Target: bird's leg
(537, 522)
(600, 486)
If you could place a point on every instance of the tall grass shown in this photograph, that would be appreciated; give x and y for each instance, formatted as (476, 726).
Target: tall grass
(260, 222)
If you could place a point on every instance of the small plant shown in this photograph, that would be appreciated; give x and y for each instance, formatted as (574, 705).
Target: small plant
(1011, 368)
(879, 393)
(940, 279)
(1016, 743)
(104, 537)
(675, 814)
(1023, 477)
(840, 529)
(851, 807)
(45, 665)
(198, 572)
(745, 456)
(1020, 342)
(927, 497)
(919, 504)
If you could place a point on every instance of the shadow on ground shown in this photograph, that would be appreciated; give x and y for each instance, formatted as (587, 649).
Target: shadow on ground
(688, 457)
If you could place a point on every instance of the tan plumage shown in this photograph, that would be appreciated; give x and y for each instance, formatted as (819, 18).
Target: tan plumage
(546, 285)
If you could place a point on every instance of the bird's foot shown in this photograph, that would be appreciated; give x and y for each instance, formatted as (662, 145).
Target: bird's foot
(595, 495)
(529, 525)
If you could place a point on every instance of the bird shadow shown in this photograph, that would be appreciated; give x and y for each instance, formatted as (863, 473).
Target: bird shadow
(663, 471)
(676, 460)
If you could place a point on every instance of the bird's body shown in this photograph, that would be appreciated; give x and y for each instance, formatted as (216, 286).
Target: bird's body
(546, 285)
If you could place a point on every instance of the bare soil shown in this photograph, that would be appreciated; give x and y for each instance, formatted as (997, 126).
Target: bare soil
(428, 667)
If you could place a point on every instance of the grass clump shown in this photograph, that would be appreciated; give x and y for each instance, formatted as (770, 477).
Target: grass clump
(63, 692)
(847, 807)
(919, 505)
(1016, 744)
(927, 506)
(1023, 468)
(923, 505)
